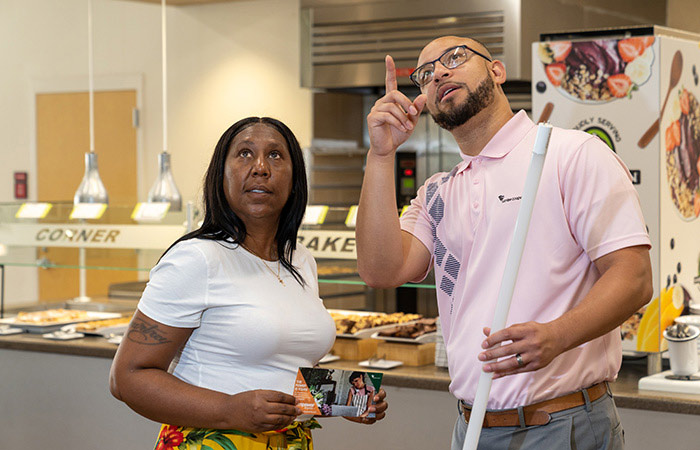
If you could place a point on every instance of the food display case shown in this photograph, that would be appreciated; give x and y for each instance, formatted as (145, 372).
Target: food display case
(637, 90)
(48, 260)
(42, 265)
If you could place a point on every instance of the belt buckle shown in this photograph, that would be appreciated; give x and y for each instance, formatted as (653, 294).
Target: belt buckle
(466, 411)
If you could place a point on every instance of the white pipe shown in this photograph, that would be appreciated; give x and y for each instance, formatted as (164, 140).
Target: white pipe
(165, 77)
(82, 291)
(82, 276)
(510, 275)
(91, 86)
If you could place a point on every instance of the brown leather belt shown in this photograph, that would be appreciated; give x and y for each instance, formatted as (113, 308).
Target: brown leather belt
(538, 413)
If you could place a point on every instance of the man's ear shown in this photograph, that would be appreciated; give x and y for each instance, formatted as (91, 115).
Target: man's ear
(498, 71)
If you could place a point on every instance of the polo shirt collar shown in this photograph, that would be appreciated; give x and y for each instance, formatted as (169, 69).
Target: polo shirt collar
(505, 140)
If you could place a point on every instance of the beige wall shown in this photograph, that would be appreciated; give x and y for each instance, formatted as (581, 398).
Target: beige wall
(229, 61)
(225, 61)
(684, 15)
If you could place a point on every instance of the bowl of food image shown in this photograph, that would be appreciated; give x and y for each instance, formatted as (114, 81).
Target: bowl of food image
(681, 140)
(597, 71)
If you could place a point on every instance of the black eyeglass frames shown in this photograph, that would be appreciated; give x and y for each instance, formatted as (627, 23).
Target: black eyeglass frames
(453, 57)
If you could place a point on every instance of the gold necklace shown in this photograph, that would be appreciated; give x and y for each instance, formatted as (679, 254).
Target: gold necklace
(277, 275)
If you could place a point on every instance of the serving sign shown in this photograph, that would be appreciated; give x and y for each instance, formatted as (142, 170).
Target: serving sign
(329, 244)
(90, 236)
(326, 244)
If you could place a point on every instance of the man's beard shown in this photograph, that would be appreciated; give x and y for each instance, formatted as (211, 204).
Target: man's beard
(476, 101)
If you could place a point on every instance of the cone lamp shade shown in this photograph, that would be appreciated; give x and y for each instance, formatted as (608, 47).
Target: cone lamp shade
(164, 188)
(91, 189)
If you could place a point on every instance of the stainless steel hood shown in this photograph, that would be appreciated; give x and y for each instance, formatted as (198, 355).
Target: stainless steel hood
(344, 41)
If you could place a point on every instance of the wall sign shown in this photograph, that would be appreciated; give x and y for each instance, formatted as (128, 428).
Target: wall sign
(89, 235)
(329, 244)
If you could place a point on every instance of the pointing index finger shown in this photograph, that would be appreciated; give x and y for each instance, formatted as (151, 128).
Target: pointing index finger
(390, 79)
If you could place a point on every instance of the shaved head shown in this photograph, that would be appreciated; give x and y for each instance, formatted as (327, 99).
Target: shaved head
(436, 47)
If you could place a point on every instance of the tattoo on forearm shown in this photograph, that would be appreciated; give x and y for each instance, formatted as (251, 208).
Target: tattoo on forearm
(142, 332)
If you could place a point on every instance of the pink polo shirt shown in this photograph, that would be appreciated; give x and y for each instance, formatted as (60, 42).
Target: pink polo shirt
(586, 207)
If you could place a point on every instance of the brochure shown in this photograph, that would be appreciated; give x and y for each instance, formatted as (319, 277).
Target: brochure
(334, 392)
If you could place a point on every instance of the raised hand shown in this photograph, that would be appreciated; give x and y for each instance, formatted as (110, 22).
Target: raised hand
(393, 117)
(263, 410)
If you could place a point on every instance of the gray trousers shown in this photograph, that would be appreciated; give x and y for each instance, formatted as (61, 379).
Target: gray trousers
(594, 426)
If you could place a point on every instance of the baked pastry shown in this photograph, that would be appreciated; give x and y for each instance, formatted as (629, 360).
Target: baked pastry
(94, 325)
(50, 316)
(352, 323)
(411, 330)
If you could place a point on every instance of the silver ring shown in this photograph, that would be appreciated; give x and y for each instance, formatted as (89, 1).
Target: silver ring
(519, 358)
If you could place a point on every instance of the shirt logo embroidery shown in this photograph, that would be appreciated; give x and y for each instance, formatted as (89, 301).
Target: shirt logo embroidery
(503, 198)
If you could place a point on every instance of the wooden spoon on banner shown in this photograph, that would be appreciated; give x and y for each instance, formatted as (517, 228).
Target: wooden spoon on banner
(676, 69)
(546, 112)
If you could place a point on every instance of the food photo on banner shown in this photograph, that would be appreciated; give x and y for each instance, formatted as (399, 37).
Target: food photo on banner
(639, 95)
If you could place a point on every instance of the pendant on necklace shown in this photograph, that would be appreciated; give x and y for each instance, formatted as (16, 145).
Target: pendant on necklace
(277, 275)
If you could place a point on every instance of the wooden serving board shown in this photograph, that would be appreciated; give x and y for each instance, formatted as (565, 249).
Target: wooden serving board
(409, 354)
(355, 349)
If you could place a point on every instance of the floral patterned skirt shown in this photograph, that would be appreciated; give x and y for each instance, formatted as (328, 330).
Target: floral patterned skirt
(296, 436)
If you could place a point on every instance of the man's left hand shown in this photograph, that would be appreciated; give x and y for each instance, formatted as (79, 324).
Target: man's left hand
(378, 408)
(530, 346)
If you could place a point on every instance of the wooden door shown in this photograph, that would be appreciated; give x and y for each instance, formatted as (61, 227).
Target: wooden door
(62, 141)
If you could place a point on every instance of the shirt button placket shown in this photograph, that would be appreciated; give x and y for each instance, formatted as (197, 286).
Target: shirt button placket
(477, 191)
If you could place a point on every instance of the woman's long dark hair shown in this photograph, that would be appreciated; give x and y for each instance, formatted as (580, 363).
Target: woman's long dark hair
(222, 224)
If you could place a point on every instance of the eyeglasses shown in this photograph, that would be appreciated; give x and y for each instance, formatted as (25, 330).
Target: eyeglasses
(453, 57)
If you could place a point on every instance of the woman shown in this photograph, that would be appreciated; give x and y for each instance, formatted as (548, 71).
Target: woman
(238, 300)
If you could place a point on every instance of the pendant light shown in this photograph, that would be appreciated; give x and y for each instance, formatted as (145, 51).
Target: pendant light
(91, 189)
(164, 188)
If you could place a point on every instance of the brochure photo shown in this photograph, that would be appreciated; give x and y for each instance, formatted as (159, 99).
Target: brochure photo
(334, 392)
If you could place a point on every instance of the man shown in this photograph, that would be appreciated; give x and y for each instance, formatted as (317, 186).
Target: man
(585, 267)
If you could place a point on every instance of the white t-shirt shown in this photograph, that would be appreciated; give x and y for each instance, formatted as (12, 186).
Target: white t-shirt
(251, 332)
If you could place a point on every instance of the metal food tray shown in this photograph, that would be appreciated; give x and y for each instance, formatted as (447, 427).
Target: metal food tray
(41, 329)
(104, 331)
(422, 339)
(368, 332)
(351, 312)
